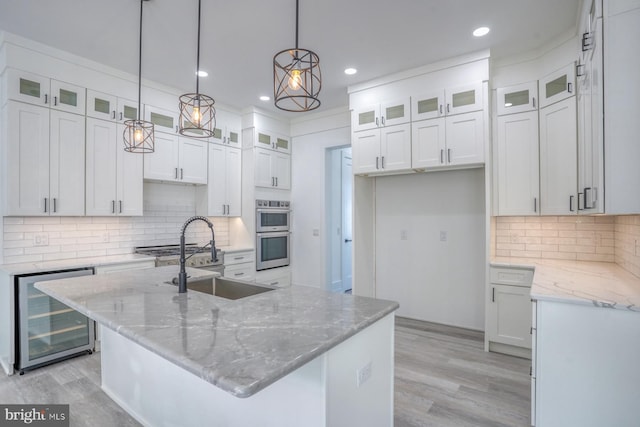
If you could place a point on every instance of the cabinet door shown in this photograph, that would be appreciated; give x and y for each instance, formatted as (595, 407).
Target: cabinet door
(263, 174)
(282, 170)
(233, 138)
(27, 161)
(193, 161)
(101, 105)
(428, 143)
(102, 137)
(162, 164)
(518, 164)
(395, 147)
(464, 99)
(218, 136)
(282, 143)
(264, 140)
(365, 118)
(366, 151)
(427, 106)
(28, 87)
(127, 110)
(66, 163)
(558, 85)
(217, 187)
(68, 97)
(558, 158)
(585, 138)
(518, 98)
(163, 120)
(509, 315)
(465, 139)
(129, 191)
(234, 181)
(395, 112)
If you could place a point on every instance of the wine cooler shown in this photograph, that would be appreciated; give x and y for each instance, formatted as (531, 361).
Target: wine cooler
(49, 330)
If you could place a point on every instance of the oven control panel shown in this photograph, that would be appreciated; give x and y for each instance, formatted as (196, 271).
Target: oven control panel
(272, 203)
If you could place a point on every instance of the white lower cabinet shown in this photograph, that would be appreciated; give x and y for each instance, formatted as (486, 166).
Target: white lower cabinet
(279, 277)
(177, 159)
(448, 141)
(509, 311)
(44, 162)
(517, 170)
(222, 195)
(240, 265)
(272, 169)
(586, 365)
(558, 159)
(114, 176)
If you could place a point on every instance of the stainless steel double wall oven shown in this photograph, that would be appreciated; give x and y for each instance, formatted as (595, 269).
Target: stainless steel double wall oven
(273, 220)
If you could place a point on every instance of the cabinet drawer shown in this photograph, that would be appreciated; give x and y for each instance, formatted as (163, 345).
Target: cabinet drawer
(239, 258)
(512, 276)
(240, 271)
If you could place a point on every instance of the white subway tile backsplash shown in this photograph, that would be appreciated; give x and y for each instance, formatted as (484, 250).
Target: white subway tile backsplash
(166, 207)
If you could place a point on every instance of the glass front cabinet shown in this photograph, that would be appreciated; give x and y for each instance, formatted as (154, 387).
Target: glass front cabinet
(518, 98)
(39, 90)
(558, 85)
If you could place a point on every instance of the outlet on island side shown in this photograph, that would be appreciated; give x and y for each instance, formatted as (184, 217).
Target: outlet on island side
(363, 374)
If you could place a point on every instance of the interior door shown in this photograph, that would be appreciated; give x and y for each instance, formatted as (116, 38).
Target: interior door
(347, 220)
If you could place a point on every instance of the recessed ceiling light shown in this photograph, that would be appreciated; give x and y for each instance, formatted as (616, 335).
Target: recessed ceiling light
(202, 73)
(481, 31)
(350, 71)
(264, 98)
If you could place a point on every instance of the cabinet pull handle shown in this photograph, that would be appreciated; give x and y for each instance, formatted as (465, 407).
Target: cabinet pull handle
(377, 163)
(569, 87)
(441, 156)
(448, 155)
(239, 257)
(113, 114)
(580, 70)
(571, 203)
(440, 108)
(274, 283)
(55, 100)
(46, 98)
(120, 115)
(382, 162)
(120, 207)
(113, 206)
(176, 173)
(533, 99)
(448, 110)
(228, 209)
(176, 128)
(535, 204)
(493, 294)
(181, 173)
(586, 42)
(45, 202)
(272, 182)
(377, 124)
(239, 274)
(579, 208)
(55, 209)
(382, 120)
(276, 181)
(586, 198)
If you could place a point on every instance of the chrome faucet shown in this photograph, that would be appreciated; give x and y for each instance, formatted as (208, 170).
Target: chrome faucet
(182, 276)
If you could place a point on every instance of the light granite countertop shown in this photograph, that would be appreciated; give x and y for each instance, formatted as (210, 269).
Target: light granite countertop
(43, 266)
(600, 284)
(240, 346)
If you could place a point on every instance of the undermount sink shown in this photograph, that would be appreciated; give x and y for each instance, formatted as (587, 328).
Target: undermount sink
(224, 288)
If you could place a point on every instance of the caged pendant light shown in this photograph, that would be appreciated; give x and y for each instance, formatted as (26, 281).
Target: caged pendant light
(197, 114)
(138, 134)
(296, 78)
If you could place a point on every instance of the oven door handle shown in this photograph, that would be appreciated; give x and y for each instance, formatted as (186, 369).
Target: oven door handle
(277, 211)
(273, 234)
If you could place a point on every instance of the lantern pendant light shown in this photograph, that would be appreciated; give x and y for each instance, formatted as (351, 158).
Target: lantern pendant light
(197, 114)
(138, 134)
(296, 78)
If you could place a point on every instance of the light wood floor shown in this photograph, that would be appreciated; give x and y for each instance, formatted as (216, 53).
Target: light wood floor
(442, 378)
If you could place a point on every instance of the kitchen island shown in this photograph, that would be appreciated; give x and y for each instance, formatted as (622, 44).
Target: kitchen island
(291, 356)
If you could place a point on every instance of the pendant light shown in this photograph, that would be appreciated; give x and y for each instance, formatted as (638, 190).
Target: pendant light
(138, 134)
(197, 114)
(296, 78)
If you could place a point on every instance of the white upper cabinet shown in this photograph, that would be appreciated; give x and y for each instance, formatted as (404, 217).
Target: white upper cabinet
(427, 106)
(464, 99)
(163, 120)
(382, 150)
(272, 141)
(226, 136)
(177, 159)
(516, 171)
(192, 160)
(380, 115)
(272, 169)
(39, 90)
(465, 139)
(428, 143)
(558, 159)
(222, 195)
(109, 107)
(558, 85)
(518, 98)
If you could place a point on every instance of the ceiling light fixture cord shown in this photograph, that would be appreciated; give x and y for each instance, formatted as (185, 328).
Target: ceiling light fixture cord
(297, 5)
(198, 54)
(140, 60)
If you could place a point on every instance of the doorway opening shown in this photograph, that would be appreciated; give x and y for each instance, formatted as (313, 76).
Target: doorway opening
(340, 219)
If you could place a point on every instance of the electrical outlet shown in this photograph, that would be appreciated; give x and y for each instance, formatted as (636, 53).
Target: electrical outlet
(363, 374)
(443, 236)
(316, 232)
(41, 240)
(403, 234)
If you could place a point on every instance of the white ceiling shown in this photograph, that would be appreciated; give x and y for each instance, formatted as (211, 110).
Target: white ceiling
(240, 37)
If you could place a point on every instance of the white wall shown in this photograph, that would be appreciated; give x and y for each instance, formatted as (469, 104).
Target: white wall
(312, 136)
(433, 280)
